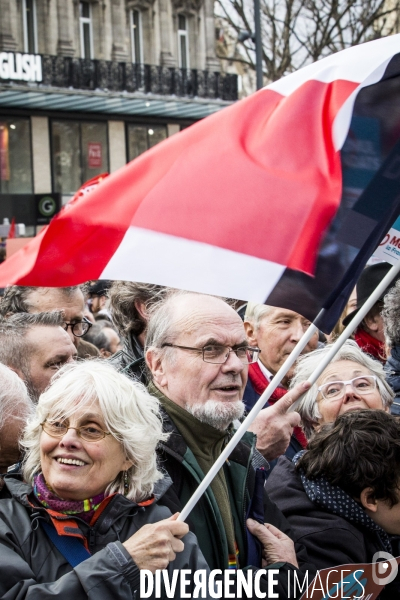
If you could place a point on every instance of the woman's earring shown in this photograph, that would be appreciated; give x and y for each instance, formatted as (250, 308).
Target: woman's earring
(126, 482)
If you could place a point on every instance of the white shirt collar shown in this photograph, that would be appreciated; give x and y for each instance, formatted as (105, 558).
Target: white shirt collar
(264, 370)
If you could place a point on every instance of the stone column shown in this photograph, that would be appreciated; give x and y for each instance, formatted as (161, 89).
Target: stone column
(119, 52)
(166, 57)
(7, 40)
(65, 46)
(212, 62)
(117, 145)
(41, 155)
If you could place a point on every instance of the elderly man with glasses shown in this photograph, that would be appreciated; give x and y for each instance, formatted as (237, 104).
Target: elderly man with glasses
(21, 299)
(198, 356)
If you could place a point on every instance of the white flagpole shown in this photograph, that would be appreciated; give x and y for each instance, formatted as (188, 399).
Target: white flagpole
(356, 320)
(187, 509)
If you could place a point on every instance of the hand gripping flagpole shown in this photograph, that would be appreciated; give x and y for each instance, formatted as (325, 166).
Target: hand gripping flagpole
(356, 320)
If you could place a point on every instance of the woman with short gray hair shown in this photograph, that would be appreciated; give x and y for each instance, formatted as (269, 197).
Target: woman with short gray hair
(352, 381)
(87, 519)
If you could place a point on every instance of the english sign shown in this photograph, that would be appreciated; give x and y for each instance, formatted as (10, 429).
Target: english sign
(20, 67)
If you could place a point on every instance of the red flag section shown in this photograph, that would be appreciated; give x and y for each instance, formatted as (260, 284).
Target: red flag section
(11, 233)
(226, 205)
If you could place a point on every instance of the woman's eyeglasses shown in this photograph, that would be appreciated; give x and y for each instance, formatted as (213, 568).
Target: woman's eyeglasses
(89, 433)
(334, 390)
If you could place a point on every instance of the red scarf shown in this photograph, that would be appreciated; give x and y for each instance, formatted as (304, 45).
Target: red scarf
(370, 345)
(260, 383)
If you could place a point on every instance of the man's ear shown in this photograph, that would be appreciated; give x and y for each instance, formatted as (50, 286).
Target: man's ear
(368, 500)
(250, 333)
(141, 308)
(156, 365)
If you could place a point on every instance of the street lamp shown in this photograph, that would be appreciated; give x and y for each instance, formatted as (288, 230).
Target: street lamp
(256, 38)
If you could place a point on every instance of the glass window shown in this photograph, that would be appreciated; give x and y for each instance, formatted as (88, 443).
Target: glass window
(66, 153)
(85, 22)
(29, 26)
(136, 36)
(79, 152)
(183, 43)
(15, 156)
(143, 137)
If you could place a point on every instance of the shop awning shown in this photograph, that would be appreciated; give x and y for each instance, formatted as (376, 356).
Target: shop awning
(115, 103)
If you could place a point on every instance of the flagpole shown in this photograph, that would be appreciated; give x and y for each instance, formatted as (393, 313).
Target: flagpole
(356, 320)
(187, 509)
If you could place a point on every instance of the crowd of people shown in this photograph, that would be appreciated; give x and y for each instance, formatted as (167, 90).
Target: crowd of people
(117, 398)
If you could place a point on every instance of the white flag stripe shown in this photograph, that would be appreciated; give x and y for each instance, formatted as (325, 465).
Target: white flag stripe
(153, 257)
(353, 64)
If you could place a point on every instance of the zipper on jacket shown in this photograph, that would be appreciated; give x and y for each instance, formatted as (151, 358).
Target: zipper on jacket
(249, 466)
(92, 538)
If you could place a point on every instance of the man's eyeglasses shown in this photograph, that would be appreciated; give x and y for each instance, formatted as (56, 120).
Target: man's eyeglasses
(89, 433)
(334, 390)
(218, 355)
(78, 328)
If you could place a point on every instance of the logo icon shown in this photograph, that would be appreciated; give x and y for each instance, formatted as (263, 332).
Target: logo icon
(47, 206)
(384, 568)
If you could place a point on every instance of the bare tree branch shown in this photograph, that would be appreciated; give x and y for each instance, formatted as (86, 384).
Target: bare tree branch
(297, 32)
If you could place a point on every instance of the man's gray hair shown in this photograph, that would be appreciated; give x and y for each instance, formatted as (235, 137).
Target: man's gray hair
(306, 365)
(391, 315)
(130, 414)
(255, 312)
(14, 398)
(14, 349)
(16, 297)
(161, 323)
(123, 295)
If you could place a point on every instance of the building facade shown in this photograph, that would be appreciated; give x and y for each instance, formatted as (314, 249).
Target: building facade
(87, 86)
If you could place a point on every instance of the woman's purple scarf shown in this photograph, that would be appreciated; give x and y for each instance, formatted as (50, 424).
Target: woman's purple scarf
(84, 509)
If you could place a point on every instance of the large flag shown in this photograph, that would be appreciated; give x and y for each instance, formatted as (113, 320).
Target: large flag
(281, 197)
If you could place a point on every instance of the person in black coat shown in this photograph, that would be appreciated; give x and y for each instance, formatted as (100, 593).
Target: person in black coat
(341, 496)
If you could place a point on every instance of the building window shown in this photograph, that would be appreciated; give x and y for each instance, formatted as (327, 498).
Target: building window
(29, 26)
(136, 36)
(183, 42)
(15, 156)
(79, 152)
(143, 137)
(85, 23)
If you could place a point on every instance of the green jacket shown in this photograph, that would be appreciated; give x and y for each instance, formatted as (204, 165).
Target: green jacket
(205, 519)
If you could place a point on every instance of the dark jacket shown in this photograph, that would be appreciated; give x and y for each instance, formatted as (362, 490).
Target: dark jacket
(330, 540)
(32, 567)
(392, 369)
(205, 520)
(130, 359)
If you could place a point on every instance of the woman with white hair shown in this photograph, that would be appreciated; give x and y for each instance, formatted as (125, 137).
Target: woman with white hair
(87, 519)
(352, 381)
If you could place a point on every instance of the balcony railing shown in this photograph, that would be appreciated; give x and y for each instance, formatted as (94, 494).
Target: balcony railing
(86, 74)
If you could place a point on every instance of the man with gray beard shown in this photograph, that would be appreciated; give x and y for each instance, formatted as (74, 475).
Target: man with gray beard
(198, 356)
